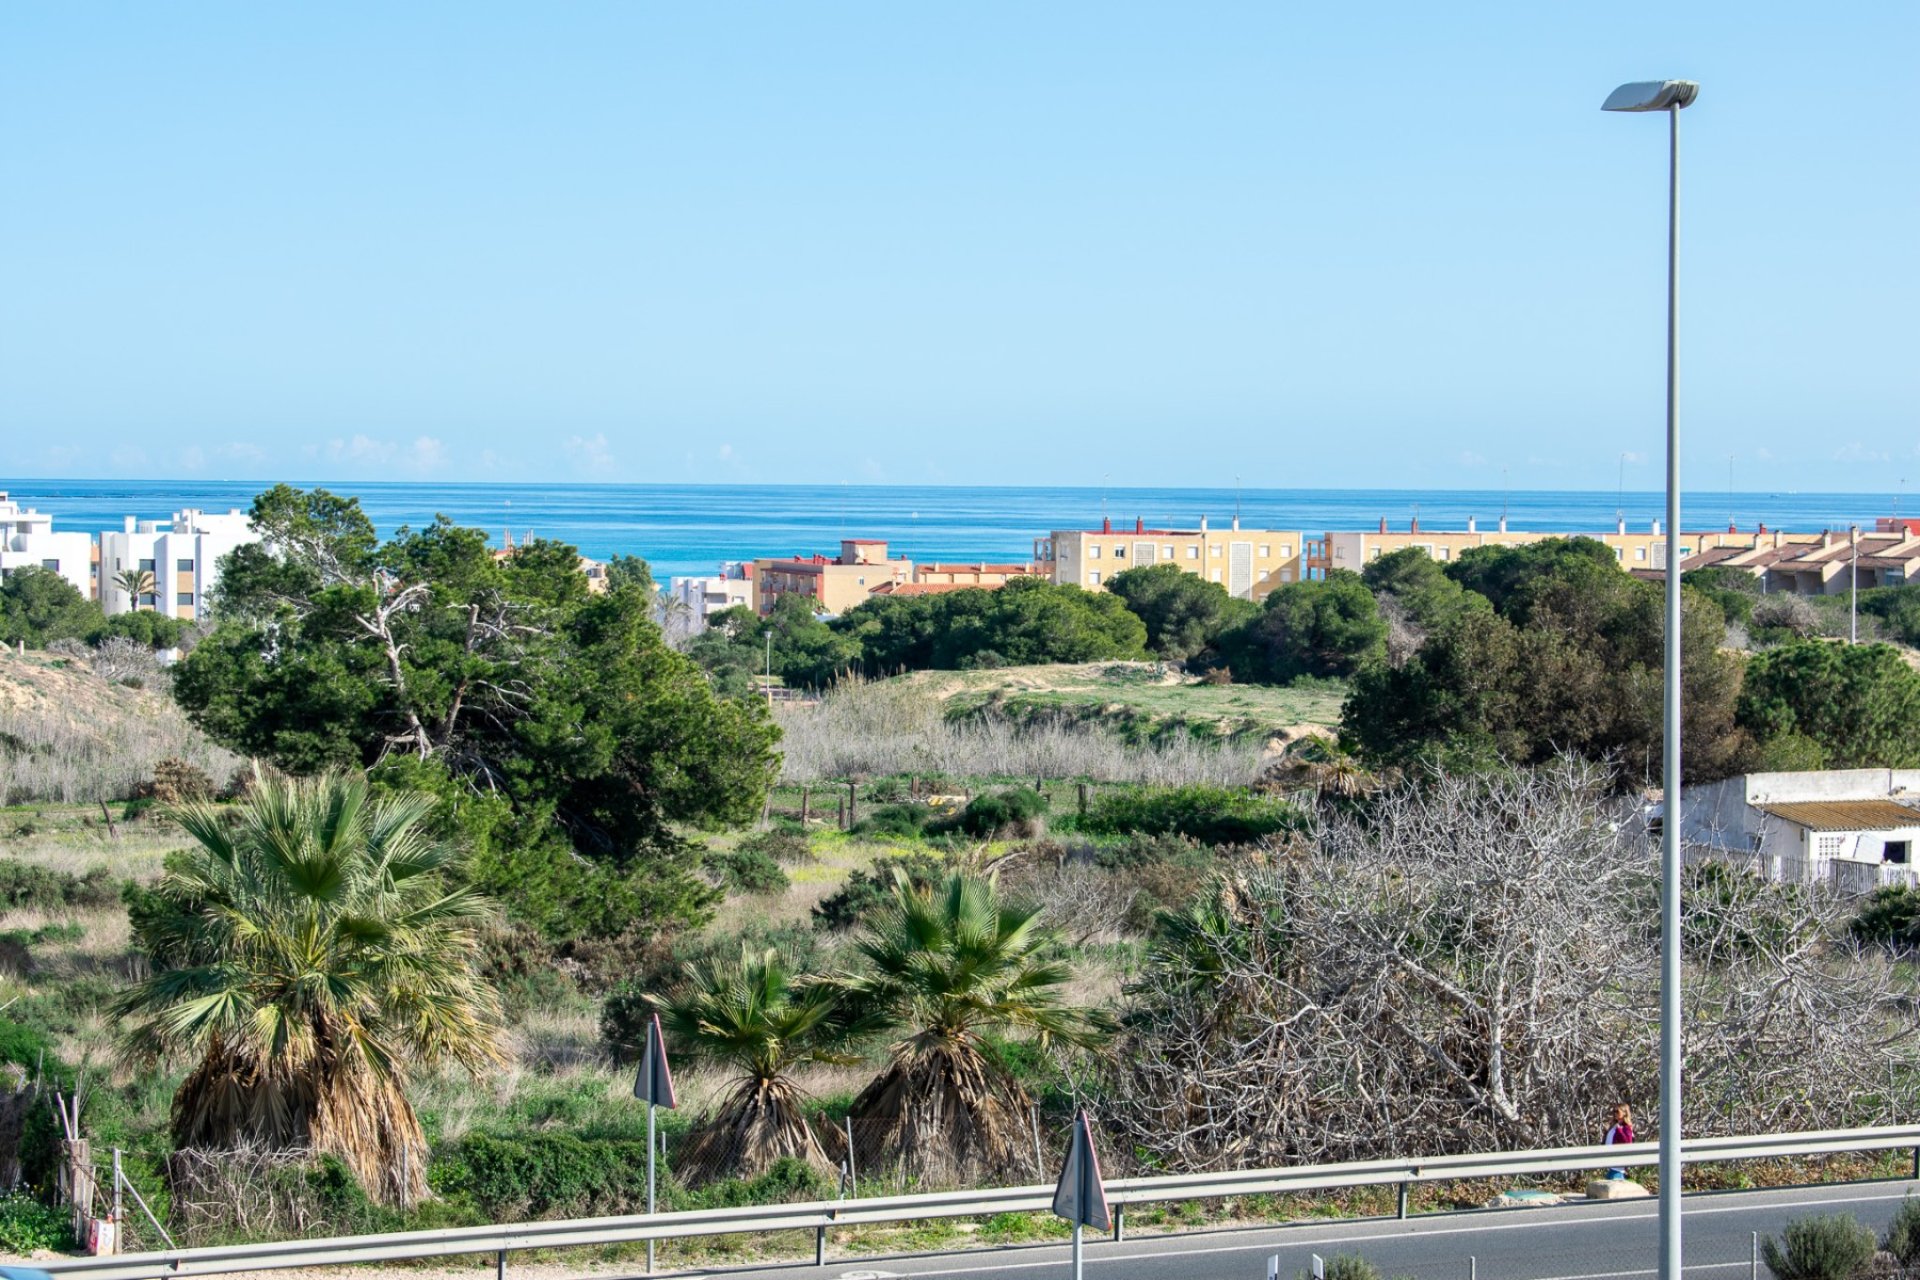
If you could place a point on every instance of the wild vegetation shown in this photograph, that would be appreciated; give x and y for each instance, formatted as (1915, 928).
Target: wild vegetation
(394, 971)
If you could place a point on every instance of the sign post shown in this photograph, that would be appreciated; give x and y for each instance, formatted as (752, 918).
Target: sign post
(654, 1086)
(1081, 1197)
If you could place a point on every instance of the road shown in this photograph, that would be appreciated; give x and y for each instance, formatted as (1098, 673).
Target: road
(1581, 1241)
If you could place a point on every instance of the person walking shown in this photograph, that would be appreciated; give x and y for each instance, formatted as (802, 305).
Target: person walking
(1619, 1131)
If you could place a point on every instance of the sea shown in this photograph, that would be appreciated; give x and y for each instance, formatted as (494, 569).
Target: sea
(691, 529)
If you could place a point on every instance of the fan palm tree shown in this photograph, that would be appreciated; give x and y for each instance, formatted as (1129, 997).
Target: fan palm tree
(755, 1018)
(136, 583)
(946, 964)
(310, 952)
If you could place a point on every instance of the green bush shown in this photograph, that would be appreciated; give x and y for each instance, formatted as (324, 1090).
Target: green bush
(903, 821)
(780, 844)
(663, 967)
(26, 884)
(1903, 1232)
(1211, 815)
(1350, 1266)
(867, 890)
(1889, 916)
(544, 1175)
(1014, 811)
(27, 1226)
(1823, 1247)
(746, 870)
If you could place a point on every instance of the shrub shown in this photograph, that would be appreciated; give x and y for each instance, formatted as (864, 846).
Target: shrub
(1903, 1232)
(867, 890)
(1831, 1246)
(175, 781)
(905, 821)
(748, 870)
(1015, 811)
(1350, 1266)
(663, 966)
(27, 1226)
(780, 844)
(1211, 815)
(26, 884)
(537, 1175)
(1888, 917)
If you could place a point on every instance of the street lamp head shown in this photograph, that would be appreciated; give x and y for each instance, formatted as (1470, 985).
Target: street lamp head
(1652, 95)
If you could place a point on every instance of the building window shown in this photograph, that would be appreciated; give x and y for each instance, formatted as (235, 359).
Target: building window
(1286, 551)
(1339, 553)
(1828, 846)
(50, 564)
(1094, 577)
(1375, 555)
(1093, 552)
(1639, 553)
(1214, 551)
(1894, 851)
(1619, 553)
(1446, 553)
(183, 566)
(1216, 575)
(1266, 552)
(1119, 552)
(147, 565)
(184, 598)
(1167, 552)
(1193, 553)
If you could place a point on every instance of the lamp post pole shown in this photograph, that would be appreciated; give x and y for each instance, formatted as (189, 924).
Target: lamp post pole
(1669, 96)
(1853, 594)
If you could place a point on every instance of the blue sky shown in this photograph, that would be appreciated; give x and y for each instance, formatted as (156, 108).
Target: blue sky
(1359, 245)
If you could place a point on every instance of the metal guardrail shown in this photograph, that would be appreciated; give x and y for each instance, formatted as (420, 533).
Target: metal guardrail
(819, 1216)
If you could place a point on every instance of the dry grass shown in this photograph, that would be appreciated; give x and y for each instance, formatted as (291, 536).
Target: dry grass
(901, 726)
(70, 736)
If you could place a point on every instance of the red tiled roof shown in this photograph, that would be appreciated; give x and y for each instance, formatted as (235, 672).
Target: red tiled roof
(929, 588)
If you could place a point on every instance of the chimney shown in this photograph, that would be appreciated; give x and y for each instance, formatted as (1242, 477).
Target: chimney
(1473, 524)
(128, 524)
(1139, 524)
(1656, 528)
(1763, 528)
(1383, 524)
(1203, 524)
(1236, 524)
(1416, 525)
(1826, 537)
(1106, 524)
(1503, 524)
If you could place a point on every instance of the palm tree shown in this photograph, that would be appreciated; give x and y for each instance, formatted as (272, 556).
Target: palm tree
(309, 950)
(136, 583)
(947, 963)
(756, 1019)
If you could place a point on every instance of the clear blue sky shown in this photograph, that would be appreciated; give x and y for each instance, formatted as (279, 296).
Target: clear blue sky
(1341, 245)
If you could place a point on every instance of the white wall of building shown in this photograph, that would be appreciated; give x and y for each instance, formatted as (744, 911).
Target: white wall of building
(704, 597)
(27, 539)
(183, 554)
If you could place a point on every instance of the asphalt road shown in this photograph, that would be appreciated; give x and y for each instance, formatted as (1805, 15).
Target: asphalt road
(1582, 1241)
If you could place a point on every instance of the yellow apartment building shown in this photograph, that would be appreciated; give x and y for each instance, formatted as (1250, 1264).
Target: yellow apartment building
(1641, 551)
(833, 585)
(1249, 563)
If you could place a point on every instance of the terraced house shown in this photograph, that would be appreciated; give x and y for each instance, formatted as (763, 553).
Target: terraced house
(1249, 563)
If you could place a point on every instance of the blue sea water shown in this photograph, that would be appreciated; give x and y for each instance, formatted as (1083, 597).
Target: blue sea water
(690, 529)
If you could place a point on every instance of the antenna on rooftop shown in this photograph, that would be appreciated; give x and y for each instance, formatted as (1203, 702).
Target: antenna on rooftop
(1620, 499)
(1730, 523)
(1105, 476)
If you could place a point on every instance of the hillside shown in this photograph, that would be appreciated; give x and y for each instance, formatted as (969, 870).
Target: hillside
(68, 735)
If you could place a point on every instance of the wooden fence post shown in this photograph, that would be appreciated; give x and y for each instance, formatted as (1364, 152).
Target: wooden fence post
(806, 797)
(1083, 799)
(853, 804)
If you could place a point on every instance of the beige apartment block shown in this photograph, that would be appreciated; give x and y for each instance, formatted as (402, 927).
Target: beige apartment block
(834, 585)
(1249, 563)
(1634, 551)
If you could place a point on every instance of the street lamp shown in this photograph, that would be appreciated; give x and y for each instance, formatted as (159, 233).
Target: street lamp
(1669, 96)
(1853, 596)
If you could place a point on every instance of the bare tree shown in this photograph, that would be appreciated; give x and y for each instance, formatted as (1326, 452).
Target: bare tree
(1473, 967)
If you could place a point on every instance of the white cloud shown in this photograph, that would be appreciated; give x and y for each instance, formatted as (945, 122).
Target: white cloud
(1633, 458)
(1468, 458)
(362, 448)
(1854, 451)
(242, 452)
(193, 458)
(428, 454)
(589, 453)
(726, 453)
(129, 456)
(1766, 455)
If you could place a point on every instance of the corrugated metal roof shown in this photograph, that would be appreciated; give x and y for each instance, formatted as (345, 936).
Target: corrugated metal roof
(1845, 815)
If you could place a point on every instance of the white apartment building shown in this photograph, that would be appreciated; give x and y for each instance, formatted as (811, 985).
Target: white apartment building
(1249, 563)
(701, 598)
(182, 554)
(27, 539)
